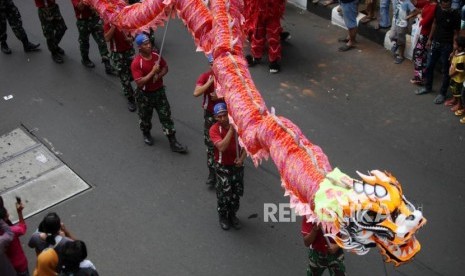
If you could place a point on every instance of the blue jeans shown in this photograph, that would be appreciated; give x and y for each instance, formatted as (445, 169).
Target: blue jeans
(462, 16)
(384, 18)
(439, 51)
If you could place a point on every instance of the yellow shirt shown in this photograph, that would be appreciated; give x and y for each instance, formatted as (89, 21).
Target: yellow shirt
(459, 77)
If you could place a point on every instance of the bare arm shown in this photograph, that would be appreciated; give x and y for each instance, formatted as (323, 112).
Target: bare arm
(414, 13)
(110, 33)
(65, 232)
(240, 161)
(149, 77)
(223, 144)
(201, 89)
(310, 237)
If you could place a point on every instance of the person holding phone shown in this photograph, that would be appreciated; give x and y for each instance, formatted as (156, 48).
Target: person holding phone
(14, 250)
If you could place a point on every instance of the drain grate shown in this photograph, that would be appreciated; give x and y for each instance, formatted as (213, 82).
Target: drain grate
(31, 171)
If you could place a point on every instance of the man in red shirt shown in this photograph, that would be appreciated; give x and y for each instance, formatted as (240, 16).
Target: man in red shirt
(322, 254)
(148, 69)
(205, 86)
(122, 53)
(53, 27)
(89, 23)
(229, 167)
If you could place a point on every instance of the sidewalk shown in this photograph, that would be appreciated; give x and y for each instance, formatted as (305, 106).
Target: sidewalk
(366, 30)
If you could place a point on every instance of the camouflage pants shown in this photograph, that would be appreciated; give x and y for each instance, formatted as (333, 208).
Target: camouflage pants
(209, 120)
(229, 188)
(92, 26)
(146, 102)
(122, 64)
(319, 262)
(9, 12)
(53, 26)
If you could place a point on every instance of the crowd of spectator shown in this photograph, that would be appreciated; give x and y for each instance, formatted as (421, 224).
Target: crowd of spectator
(439, 38)
(58, 251)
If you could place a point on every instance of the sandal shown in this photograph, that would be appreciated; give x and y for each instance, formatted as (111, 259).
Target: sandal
(378, 27)
(366, 19)
(399, 60)
(346, 48)
(329, 2)
(416, 81)
(459, 112)
(456, 107)
(462, 120)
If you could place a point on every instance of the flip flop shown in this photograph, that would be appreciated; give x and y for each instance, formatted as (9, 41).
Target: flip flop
(366, 19)
(378, 27)
(329, 2)
(345, 48)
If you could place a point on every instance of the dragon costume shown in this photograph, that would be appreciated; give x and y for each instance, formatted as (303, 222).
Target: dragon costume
(358, 214)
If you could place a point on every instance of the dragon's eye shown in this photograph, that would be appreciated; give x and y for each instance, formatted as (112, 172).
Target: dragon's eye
(380, 191)
(369, 189)
(358, 187)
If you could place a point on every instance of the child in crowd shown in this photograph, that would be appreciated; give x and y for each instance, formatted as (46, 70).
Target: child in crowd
(14, 251)
(404, 10)
(457, 75)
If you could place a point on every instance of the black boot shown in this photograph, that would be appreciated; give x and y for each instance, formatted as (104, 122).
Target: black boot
(234, 221)
(132, 104)
(175, 145)
(147, 138)
(108, 68)
(60, 51)
(30, 47)
(224, 223)
(87, 62)
(57, 58)
(211, 180)
(5, 49)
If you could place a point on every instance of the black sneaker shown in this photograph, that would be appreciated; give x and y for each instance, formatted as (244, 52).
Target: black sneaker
(5, 49)
(88, 63)
(224, 223)
(132, 105)
(236, 224)
(60, 51)
(274, 67)
(31, 47)
(148, 138)
(57, 58)
(251, 61)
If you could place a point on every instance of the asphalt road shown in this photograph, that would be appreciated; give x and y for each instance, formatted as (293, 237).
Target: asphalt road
(149, 212)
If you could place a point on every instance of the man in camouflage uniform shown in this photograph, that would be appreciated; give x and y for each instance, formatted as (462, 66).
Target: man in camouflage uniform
(148, 69)
(9, 12)
(205, 87)
(89, 23)
(122, 53)
(229, 160)
(53, 27)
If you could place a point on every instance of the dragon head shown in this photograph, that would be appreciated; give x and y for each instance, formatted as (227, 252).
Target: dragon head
(374, 213)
